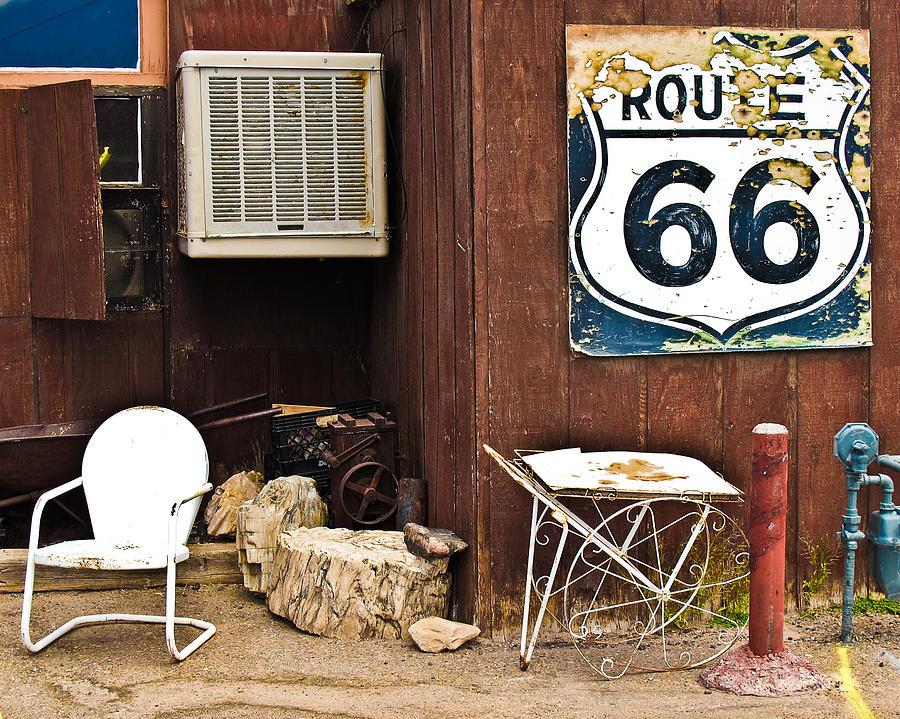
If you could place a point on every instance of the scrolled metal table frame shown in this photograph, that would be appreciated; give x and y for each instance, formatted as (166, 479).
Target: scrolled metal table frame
(632, 546)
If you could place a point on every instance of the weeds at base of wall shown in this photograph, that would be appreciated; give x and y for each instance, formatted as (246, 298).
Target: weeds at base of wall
(821, 555)
(868, 605)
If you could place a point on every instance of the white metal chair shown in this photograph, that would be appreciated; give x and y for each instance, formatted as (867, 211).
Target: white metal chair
(143, 472)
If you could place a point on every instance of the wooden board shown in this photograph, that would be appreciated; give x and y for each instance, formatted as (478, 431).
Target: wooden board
(300, 329)
(701, 406)
(307, 25)
(834, 387)
(15, 189)
(67, 242)
(457, 410)
(765, 13)
(47, 245)
(214, 563)
(516, 383)
(92, 369)
(831, 391)
(526, 277)
(759, 387)
(16, 372)
(628, 475)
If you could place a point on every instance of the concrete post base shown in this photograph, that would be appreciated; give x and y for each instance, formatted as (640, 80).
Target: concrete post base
(772, 675)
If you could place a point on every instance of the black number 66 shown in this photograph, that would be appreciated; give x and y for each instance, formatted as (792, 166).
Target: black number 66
(643, 234)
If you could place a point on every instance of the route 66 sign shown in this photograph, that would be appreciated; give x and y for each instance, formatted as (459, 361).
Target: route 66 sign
(718, 189)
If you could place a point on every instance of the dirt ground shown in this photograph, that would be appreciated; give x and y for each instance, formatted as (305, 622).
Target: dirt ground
(260, 666)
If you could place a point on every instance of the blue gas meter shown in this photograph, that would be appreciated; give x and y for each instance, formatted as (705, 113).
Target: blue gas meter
(856, 446)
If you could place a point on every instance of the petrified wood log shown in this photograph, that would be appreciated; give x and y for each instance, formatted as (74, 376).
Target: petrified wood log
(221, 512)
(428, 542)
(284, 504)
(354, 585)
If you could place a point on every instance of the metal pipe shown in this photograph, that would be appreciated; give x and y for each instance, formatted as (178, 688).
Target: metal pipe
(71, 512)
(227, 405)
(20, 499)
(887, 484)
(856, 446)
(856, 478)
(847, 598)
(33, 497)
(768, 508)
(239, 418)
(62, 430)
(850, 537)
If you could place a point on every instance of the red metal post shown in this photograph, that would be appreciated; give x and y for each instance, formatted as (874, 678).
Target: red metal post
(768, 512)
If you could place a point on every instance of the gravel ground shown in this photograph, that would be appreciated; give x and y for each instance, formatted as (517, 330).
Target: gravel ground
(260, 666)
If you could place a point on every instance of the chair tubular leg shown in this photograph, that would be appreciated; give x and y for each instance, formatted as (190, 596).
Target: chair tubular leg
(169, 620)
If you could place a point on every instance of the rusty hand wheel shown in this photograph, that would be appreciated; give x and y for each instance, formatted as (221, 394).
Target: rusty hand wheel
(368, 492)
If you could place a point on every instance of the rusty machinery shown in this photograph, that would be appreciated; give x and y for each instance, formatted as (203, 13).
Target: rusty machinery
(364, 487)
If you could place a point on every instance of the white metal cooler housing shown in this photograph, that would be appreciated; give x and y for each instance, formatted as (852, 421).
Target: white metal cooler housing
(281, 154)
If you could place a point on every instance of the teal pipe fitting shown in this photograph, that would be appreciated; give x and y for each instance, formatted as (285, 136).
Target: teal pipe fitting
(856, 446)
(887, 484)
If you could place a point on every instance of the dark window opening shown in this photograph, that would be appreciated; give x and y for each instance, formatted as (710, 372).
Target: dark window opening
(132, 234)
(131, 124)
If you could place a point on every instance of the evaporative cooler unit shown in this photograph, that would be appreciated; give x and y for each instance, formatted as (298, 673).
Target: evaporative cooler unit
(281, 154)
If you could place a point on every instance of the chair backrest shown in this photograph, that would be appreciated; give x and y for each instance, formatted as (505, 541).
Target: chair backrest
(137, 464)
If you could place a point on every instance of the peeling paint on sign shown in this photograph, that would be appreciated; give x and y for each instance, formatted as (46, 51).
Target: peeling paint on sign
(719, 185)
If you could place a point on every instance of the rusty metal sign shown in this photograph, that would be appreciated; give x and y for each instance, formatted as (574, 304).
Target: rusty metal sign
(719, 189)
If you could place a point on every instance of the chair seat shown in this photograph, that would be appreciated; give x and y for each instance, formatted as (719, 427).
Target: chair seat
(93, 554)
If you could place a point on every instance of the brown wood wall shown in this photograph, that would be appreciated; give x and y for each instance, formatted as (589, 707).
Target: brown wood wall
(463, 329)
(423, 332)
(296, 329)
(56, 370)
(475, 335)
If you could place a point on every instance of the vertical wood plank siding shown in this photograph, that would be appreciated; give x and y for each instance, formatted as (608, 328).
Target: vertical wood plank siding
(463, 329)
(67, 245)
(517, 383)
(884, 357)
(297, 329)
(15, 211)
(423, 327)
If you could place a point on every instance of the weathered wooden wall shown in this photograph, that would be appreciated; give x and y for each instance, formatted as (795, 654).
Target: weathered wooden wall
(463, 329)
(479, 333)
(60, 361)
(423, 334)
(296, 329)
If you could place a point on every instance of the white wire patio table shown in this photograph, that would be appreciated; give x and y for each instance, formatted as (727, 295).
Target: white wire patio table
(658, 577)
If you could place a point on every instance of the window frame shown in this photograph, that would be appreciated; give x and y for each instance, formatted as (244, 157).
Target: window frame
(153, 46)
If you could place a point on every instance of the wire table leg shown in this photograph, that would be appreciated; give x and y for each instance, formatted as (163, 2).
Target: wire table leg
(525, 653)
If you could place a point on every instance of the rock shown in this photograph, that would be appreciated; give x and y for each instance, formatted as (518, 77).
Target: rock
(435, 634)
(221, 511)
(283, 504)
(426, 542)
(354, 585)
